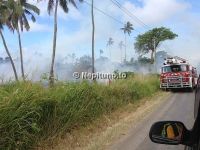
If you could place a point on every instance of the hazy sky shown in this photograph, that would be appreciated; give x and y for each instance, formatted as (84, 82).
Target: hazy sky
(74, 29)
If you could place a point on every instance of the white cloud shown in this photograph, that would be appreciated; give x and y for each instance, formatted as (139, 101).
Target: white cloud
(36, 27)
(72, 14)
(155, 11)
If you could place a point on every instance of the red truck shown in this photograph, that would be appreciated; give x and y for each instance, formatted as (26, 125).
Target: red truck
(178, 73)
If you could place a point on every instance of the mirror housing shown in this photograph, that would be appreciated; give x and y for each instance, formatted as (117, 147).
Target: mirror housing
(168, 132)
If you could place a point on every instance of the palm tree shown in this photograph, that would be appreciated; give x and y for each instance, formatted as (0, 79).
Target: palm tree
(101, 52)
(93, 31)
(121, 45)
(53, 5)
(128, 27)
(19, 20)
(4, 11)
(109, 44)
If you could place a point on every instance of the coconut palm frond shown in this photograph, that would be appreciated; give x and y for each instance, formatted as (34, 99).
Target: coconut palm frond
(30, 14)
(63, 5)
(110, 42)
(73, 3)
(26, 23)
(50, 6)
(32, 8)
(128, 27)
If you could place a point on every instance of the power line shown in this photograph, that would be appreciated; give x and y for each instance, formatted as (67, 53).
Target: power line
(125, 11)
(101, 11)
(104, 13)
(130, 14)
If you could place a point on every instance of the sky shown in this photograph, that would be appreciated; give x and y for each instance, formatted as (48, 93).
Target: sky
(75, 30)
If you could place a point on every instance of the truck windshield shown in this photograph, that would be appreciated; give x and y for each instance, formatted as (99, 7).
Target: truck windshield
(174, 68)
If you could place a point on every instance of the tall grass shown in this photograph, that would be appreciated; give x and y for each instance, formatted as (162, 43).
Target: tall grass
(30, 112)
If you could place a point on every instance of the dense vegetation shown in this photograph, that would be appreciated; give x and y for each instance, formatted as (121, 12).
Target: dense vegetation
(30, 112)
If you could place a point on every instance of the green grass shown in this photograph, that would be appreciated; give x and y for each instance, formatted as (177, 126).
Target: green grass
(30, 112)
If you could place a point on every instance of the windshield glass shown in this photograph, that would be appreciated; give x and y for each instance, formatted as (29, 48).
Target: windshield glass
(174, 68)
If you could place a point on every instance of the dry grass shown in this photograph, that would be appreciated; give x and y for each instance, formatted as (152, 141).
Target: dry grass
(99, 134)
(31, 113)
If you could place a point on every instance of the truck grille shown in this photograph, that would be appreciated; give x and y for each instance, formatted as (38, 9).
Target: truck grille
(175, 82)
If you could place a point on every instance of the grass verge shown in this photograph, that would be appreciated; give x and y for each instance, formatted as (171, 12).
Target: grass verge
(31, 113)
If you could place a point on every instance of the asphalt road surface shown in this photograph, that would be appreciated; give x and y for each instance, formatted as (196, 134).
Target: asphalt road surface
(179, 106)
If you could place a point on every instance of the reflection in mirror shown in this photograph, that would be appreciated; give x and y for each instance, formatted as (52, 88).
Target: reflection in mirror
(167, 132)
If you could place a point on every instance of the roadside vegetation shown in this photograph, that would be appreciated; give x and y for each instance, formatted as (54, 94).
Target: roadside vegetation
(31, 113)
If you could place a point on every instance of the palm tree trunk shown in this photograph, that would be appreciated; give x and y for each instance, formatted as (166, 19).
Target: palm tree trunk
(154, 54)
(125, 48)
(10, 57)
(110, 52)
(93, 30)
(21, 54)
(51, 76)
(121, 54)
(152, 57)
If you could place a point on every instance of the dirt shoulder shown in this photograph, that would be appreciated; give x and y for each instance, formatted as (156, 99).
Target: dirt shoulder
(107, 129)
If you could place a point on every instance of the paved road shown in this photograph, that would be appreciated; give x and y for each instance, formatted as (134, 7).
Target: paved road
(179, 106)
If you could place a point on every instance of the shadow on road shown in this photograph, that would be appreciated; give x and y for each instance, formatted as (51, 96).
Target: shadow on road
(185, 90)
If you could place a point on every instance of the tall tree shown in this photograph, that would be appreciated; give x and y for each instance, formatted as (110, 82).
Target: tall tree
(21, 9)
(151, 40)
(93, 32)
(109, 44)
(53, 5)
(101, 52)
(128, 27)
(4, 12)
(121, 45)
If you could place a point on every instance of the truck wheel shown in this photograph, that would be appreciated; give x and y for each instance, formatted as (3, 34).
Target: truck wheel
(166, 90)
(190, 89)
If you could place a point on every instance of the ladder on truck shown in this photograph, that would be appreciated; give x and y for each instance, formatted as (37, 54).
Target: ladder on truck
(174, 60)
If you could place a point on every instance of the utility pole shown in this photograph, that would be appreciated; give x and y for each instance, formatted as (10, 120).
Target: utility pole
(154, 47)
(93, 30)
(125, 47)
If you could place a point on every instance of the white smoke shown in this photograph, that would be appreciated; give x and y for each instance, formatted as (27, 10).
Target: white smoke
(36, 65)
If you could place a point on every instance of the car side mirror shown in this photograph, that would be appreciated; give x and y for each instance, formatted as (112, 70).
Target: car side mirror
(168, 132)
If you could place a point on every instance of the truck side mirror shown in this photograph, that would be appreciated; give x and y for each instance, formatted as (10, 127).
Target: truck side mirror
(168, 132)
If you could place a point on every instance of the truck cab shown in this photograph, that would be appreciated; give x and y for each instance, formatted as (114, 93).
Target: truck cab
(177, 73)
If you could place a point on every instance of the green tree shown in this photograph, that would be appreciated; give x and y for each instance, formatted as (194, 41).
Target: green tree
(4, 12)
(21, 9)
(53, 5)
(151, 40)
(128, 27)
(144, 60)
(109, 44)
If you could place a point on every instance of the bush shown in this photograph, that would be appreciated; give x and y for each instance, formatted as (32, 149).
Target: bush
(30, 112)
